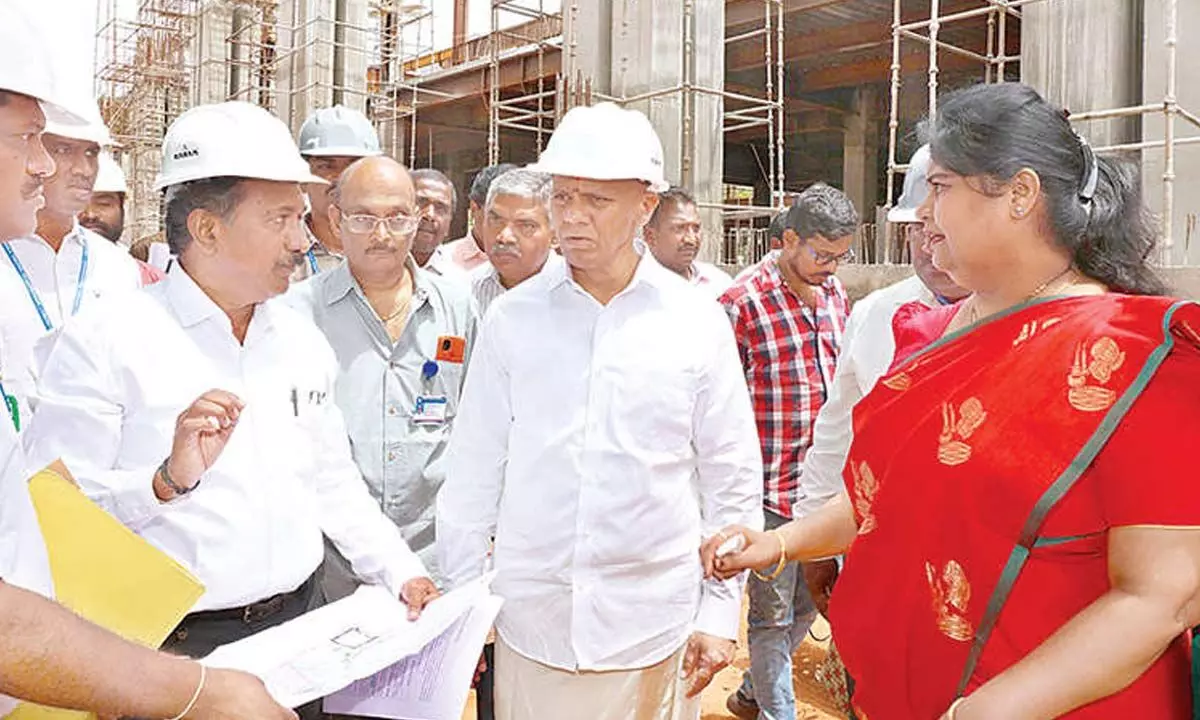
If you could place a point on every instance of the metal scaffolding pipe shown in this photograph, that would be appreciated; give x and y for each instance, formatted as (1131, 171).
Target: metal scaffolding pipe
(1171, 104)
(893, 119)
(1116, 112)
(745, 36)
(780, 95)
(934, 27)
(966, 14)
(946, 46)
(1146, 145)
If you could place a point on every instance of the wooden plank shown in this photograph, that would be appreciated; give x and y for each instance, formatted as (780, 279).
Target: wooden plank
(878, 70)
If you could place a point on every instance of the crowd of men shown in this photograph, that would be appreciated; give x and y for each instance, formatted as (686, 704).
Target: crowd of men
(324, 390)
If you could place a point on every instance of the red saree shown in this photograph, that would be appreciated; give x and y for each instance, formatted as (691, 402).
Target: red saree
(1077, 410)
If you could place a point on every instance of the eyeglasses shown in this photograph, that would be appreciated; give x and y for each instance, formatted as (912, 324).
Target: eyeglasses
(827, 258)
(366, 224)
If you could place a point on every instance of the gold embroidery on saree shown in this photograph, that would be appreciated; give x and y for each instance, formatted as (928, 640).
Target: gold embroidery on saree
(898, 382)
(957, 427)
(1099, 363)
(865, 488)
(1029, 329)
(951, 593)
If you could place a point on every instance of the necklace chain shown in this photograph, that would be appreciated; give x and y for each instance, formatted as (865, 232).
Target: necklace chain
(974, 309)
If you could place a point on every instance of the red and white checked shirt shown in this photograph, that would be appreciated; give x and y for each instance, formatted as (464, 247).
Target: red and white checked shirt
(789, 353)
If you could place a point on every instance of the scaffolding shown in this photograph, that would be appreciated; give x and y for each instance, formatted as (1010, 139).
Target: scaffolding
(996, 62)
(534, 112)
(145, 78)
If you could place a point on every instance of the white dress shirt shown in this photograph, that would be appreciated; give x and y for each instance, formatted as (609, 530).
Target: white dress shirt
(868, 347)
(442, 264)
(710, 278)
(110, 393)
(55, 278)
(600, 444)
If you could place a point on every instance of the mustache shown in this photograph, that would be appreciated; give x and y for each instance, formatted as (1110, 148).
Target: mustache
(505, 250)
(32, 185)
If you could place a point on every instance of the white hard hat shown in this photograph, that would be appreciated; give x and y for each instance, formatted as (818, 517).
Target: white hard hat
(915, 188)
(340, 131)
(111, 177)
(27, 65)
(230, 139)
(605, 142)
(92, 129)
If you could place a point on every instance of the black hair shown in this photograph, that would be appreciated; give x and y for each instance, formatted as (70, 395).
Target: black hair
(219, 195)
(775, 229)
(821, 210)
(1094, 205)
(484, 179)
(674, 197)
(437, 176)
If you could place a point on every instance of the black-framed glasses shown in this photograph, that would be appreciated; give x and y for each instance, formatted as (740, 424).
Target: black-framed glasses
(366, 224)
(828, 258)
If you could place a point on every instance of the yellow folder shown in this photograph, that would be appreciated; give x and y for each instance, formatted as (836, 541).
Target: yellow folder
(105, 572)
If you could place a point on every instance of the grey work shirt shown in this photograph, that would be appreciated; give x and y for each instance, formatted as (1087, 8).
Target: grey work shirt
(401, 460)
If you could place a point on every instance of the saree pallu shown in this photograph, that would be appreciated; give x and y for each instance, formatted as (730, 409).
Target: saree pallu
(985, 473)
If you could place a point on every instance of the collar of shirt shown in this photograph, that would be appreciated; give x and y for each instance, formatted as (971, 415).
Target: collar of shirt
(649, 273)
(771, 279)
(341, 282)
(193, 306)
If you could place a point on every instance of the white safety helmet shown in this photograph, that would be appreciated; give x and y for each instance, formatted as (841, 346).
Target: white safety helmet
(339, 131)
(915, 188)
(230, 139)
(605, 142)
(92, 129)
(27, 65)
(111, 177)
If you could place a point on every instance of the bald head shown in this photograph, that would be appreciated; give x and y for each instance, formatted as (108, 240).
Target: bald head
(373, 211)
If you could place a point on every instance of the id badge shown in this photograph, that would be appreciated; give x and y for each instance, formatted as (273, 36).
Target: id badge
(430, 410)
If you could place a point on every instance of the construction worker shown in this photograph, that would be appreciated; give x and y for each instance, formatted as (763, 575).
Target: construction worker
(468, 252)
(605, 424)
(436, 202)
(49, 275)
(105, 212)
(50, 655)
(222, 444)
(330, 139)
(673, 236)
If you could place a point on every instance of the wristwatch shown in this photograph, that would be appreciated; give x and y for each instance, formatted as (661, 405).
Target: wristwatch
(166, 477)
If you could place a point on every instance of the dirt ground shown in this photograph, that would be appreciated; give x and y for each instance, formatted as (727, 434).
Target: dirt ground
(811, 701)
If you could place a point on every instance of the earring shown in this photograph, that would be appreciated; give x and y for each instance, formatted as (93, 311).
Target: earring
(1020, 211)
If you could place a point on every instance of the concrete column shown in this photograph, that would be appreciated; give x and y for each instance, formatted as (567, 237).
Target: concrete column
(587, 43)
(655, 48)
(1087, 56)
(860, 153)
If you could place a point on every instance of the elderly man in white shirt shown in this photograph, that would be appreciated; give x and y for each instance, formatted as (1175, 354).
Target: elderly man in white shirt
(605, 428)
(48, 654)
(46, 277)
(868, 351)
(673, 236)
(202, 414)
(516, 234)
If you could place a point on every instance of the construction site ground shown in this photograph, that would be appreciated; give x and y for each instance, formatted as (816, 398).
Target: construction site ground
(812, 702)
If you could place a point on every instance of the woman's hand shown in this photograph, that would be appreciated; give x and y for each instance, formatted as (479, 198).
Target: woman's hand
(760, 551)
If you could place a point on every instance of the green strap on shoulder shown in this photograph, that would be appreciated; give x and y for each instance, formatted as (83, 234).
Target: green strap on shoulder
(1056, 492)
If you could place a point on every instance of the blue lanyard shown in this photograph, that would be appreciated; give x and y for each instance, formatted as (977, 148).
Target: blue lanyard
(312, 261)
(33, 294)
(10, 404)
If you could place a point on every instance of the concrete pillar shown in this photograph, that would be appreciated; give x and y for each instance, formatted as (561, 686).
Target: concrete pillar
(656, 48)
(587, 44)
(1185, 218)
(860, 153)
(1086, 56)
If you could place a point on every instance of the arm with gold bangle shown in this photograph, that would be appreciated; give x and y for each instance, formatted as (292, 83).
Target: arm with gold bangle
(823, 534)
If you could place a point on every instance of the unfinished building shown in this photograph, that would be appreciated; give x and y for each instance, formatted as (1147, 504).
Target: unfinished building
(754, 99)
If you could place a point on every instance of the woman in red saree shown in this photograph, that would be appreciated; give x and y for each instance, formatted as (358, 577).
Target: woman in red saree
(1023, 527)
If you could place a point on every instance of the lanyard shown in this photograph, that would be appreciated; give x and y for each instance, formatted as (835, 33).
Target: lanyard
(33, 294)
(14, 410)
(312, 261)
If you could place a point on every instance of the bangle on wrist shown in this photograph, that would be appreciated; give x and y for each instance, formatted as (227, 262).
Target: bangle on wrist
(196, 695)
(174, 487)
(953, 709)
(783, 559)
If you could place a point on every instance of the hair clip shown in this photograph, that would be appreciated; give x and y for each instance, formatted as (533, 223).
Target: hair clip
(1092, 170)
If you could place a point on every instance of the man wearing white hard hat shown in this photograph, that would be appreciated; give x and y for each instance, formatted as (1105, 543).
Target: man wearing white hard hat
(105, 213)
(330, 140)
(201, 413)
(605, 428)
(48, 654)
(48, 276)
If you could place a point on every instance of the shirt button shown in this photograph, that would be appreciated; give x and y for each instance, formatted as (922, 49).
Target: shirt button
(391, 456)
(392, 410)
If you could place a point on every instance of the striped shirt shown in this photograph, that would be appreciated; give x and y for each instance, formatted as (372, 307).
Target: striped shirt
(789, 352)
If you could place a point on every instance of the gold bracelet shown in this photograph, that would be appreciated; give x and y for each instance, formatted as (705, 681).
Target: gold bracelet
(954, 708)
(783, 559)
